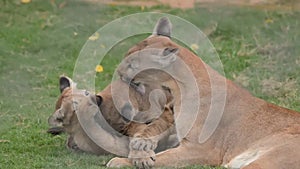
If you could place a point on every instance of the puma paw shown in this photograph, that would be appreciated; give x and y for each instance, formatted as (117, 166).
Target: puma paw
(144, 162)
(142, 144)
(119, 162)
(142, 159)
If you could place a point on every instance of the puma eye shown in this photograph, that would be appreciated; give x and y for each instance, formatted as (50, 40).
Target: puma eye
(134, 84)
(86, 93)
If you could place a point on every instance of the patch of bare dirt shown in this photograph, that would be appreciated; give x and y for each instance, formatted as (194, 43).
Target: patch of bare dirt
(185, 4)
(149, 3)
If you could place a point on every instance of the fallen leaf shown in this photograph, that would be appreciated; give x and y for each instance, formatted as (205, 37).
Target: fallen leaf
(102, 46)
(113, 4)
(210, 29)
(62, 5)
(94, 37)
(269, 20)
(194, 47)
(25, 1)
(4, 141)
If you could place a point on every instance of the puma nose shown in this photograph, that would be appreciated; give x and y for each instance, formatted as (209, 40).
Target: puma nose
(126, 79)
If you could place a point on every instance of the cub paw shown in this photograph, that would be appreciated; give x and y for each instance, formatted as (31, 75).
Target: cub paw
(142, 144)
(118, 163)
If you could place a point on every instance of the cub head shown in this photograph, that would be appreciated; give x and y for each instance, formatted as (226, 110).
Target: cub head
(64, 117)
(73, 102)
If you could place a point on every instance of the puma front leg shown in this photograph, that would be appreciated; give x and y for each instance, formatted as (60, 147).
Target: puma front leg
(185, 154)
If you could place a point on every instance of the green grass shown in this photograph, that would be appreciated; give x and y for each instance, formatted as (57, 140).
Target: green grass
(40, 41)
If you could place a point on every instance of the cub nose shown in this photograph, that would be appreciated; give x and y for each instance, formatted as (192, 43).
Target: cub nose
(59, 119)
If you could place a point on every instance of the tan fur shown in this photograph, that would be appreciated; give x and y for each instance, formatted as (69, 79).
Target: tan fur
(65, 117)
(262, 134)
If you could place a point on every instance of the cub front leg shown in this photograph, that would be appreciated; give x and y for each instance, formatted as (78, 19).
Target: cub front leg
(160, 128)
(143, 144)
(145, 141)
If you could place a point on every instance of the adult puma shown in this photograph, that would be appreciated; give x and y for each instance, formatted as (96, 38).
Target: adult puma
(252, 134)
(157, 130)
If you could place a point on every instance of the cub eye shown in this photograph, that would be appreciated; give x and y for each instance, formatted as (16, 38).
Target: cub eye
(86, 93)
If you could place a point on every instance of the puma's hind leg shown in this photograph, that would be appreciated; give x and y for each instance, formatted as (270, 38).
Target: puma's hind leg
(285, 156)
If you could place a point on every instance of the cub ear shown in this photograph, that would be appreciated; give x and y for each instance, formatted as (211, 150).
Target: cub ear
(64, 82)
(169, 56)
(163, 27)
(99, 100)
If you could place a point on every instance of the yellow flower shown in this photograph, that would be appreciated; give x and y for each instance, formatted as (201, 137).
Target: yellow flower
(194, 47)
(102, 46)
(99, 68)
(142, 8)
(94, 37)
(25, 1)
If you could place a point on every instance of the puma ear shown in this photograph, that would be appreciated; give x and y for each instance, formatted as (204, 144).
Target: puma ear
(163, 27)
(170, 51)
(99, 100)
(169, 56)
(64, 82)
